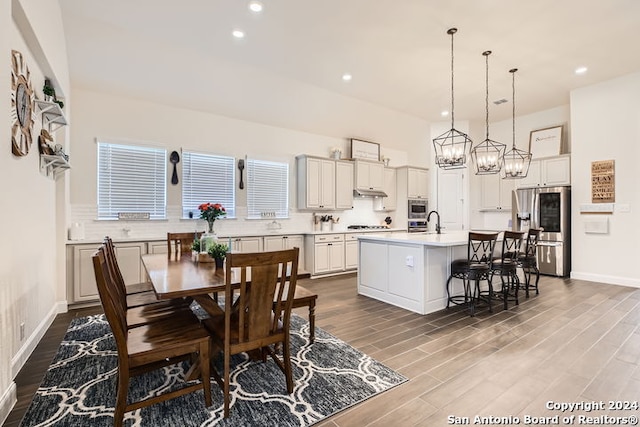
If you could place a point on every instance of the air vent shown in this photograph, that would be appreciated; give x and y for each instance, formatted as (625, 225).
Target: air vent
(500, 101)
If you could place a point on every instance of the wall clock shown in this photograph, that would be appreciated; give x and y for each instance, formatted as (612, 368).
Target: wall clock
(21, 105)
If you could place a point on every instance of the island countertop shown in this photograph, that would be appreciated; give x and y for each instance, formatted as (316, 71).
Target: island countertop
(446, 239)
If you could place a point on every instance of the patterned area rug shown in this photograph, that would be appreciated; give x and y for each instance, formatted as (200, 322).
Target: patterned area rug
(330, 376)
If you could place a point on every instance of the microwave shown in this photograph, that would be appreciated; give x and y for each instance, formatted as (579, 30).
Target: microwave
(417, 208)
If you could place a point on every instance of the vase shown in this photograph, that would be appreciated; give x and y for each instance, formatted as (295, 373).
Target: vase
(219, 262)
(210, 231)
(207, 240)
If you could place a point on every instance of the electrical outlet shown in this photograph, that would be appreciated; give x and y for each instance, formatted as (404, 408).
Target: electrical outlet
(22, 331)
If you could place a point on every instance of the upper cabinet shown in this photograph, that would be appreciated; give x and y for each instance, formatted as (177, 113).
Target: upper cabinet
(344, 184)
(415, 180)
(316, 182)
(495, 193)
(548, 172)
(369, 175)
(388, 203)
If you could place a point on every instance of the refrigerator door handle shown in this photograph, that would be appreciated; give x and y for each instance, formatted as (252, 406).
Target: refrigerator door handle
(552, 244)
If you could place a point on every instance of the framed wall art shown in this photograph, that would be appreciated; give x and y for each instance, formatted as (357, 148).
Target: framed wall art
(365, 150)
(546, 142)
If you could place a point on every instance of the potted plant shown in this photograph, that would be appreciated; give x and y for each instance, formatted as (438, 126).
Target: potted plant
(49, 93)
(218, 251)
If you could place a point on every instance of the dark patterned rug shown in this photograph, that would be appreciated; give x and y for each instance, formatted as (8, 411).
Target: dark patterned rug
(330, 376)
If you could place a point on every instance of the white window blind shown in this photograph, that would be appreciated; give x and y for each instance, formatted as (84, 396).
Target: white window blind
(131, 179)
(207, 178)
(267, 189)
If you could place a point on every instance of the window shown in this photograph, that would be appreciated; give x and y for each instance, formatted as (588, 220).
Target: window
(207, 178)
(131, 179)
(267, 189)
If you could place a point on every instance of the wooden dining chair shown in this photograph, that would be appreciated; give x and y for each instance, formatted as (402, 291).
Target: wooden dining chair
(150, 347)
(256, 314)
(137, 294)
(179, 244)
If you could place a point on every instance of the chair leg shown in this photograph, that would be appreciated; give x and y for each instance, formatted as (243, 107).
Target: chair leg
(121, 397)
(537, 279)
(505, 290)
(286, 355)
(312, 321)
(226, 391)
(448, 290)
(205, 371)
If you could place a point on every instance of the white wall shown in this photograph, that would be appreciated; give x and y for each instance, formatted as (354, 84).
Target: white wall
(30, 287)
(605, 121)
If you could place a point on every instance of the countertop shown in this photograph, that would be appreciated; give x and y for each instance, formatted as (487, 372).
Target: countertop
(446, 239)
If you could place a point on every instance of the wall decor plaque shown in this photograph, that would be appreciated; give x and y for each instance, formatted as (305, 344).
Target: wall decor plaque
(365, 150)
(545, 142)
(603, 181)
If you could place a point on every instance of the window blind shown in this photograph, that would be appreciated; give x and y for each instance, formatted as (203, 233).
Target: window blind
(207, 178)
(267, 189)
(131, 179)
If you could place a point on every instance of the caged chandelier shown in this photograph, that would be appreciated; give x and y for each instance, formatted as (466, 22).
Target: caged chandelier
(451, 146)
(516, 162)
(487, 155)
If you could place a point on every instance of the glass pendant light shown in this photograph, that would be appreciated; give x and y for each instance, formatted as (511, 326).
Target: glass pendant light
(451, 146)
(487, 155)
(516, 162)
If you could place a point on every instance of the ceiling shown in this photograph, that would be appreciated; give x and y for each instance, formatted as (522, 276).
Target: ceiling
(398, 51)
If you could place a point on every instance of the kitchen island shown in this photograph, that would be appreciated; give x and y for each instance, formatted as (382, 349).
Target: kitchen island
(410, 270)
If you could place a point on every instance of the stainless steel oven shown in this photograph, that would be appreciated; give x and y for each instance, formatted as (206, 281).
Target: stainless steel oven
(417, 209)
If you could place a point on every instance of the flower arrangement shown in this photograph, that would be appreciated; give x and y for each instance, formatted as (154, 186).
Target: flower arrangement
(210, 212)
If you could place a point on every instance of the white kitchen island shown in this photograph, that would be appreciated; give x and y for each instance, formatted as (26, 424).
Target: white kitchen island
(410, 270)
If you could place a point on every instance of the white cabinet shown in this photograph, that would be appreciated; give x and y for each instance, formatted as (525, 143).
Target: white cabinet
(495, 192)
(351, 251)
(324, 253)
(246, 244)
(548, 172)
(388, 203)
(344, 184)
(278, 243)
(157, 247)
(417, 183)
(369, 175)
(316, 182)
(81, 273)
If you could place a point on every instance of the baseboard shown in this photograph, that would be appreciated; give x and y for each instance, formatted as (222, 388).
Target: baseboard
(7, 401)
(611, 280)
(18, 361)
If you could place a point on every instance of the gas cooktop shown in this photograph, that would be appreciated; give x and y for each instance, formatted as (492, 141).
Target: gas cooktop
(364, 227)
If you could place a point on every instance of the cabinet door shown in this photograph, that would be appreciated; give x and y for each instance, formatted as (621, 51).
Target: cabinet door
(351, 255)
(369, 176)
(321, 258)
(388, 203)
(247, 244)
(417, 183)
(344, 185)
(336, 256)
(328, 184)
(506, 189)
(296, 241)
(314, 182)
(490, 192)
(129, 256)
(557, 171)
(533, 176)
(157, 248)
(273, 243)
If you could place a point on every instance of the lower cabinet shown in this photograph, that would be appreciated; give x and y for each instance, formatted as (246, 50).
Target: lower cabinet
(278, 243)
(80, 267)
(351, 251)
(246, 244)
(324, 253)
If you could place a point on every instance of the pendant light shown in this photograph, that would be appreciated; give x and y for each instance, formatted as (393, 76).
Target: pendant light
(451, 146)
(516, 162)
(487, 155)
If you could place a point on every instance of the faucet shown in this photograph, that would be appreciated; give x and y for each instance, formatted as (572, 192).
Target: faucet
(438, 223)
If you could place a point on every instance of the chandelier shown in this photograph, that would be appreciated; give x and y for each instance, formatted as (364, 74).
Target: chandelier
(487, 155)
(451, 146)
(516, 162)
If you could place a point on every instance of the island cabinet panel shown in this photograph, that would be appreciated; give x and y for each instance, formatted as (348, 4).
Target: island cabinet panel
(374, 266)
(406, 272)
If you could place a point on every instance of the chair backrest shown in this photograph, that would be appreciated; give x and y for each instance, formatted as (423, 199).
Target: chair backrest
(532, 242)
(264, 308)
(511, 244)
(480, 247)
(180, 243)
(116, 275)
(113, 308)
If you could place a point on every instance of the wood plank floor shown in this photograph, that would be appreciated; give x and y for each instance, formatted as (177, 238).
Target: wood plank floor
(575, 342)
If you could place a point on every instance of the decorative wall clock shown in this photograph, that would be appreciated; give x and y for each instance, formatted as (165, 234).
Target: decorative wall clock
(21, 105)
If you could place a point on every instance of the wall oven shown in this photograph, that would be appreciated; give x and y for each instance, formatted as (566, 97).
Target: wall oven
(417, 209)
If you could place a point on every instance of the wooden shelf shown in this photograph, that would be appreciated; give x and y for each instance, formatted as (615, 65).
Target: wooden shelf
(52, 115)
(53, 164)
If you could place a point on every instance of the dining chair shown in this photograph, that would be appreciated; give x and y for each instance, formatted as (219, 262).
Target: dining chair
(528, 260)
(257, 313)
(476, 267)
(137, 294)
(149, 347)
(180, 243)
(506, 266)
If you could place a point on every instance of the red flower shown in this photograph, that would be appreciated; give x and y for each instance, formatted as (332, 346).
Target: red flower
(211, 211)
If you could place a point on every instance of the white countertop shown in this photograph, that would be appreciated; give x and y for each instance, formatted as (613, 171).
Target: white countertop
(446, 239)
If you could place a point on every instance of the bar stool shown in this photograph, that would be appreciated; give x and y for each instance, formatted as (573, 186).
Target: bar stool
(475, 268)
(506, 265)
(528, 260)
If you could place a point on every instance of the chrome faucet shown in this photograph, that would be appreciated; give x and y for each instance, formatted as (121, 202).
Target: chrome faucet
(438, 223)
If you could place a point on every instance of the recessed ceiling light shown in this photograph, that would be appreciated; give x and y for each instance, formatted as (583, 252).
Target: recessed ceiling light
(255, 6)
(346, 77)
(238, 34)
(581, 70)
(444, 113)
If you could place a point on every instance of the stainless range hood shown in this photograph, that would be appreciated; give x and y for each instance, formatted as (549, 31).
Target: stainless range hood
(369, 193)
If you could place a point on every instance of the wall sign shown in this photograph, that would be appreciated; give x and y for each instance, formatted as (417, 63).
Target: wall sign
(545, 142)
(365, 150)
(603, 184)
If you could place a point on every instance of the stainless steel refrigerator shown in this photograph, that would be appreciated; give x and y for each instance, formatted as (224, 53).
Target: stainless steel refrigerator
(548, 208)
